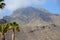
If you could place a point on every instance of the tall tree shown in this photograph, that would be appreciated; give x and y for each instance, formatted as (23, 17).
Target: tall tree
(2, 4)
(14, 26)
(3, 30)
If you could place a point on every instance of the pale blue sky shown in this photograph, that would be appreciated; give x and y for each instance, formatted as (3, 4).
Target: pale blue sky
(11, 5)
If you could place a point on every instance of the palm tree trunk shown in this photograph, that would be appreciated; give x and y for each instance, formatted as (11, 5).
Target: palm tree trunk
(13, 35)
(3, 36)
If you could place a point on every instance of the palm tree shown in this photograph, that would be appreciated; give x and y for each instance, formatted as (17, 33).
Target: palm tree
(3, 30)
(2, 4)
(14, 26)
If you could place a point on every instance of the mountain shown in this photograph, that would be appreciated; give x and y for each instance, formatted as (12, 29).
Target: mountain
(31, 15)
(2, 21)
(36, 24)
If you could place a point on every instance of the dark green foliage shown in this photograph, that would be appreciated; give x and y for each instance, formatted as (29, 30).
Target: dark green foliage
(2, 4)
(43, 27)
(31, 31)
(4, 28)
(1, 0)
(14, 25)
(54, 25)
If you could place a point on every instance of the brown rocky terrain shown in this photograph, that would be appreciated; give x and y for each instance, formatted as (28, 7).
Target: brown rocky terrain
(36, 24)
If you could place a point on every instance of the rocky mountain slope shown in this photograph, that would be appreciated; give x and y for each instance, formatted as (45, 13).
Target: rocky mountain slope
(36, 24)
(2, 21)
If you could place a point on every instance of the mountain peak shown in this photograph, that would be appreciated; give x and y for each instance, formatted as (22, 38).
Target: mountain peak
(36, 24)
(31, 9)
(31, 14)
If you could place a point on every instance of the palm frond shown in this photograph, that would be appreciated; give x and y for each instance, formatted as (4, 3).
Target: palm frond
(2, 5)
(1, 0)
(17, 29)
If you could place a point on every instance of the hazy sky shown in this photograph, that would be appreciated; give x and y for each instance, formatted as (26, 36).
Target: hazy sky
(11, 5)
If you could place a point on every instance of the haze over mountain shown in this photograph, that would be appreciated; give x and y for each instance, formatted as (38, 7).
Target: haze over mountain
(31, 15)
(36, 24)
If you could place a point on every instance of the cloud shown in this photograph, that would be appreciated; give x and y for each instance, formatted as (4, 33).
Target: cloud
(4, 12)
(1, 13)
(14, 4)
